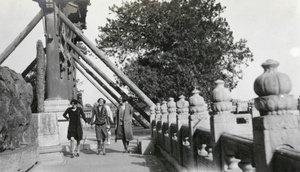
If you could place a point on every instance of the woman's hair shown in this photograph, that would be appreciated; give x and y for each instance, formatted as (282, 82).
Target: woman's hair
(74, 101)
(104, 101)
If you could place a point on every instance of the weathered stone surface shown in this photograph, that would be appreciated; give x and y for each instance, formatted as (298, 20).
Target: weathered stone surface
(15, 112)
(20, 159)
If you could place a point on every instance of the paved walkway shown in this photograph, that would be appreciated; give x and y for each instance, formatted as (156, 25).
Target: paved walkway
(114, 160)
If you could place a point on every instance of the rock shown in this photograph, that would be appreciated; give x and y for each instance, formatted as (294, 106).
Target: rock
(15, 112)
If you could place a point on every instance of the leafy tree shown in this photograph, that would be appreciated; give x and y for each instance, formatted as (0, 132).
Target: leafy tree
(167, 47)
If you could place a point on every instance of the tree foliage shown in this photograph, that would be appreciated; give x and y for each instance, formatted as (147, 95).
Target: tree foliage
(167, 47)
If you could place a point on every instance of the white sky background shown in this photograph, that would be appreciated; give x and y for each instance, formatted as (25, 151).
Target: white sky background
(272, 29)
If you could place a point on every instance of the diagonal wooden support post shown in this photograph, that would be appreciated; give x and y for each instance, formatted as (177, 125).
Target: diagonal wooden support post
(21, 37)
(107, 79)
(108, 96)
(106, 61)
(113, 95)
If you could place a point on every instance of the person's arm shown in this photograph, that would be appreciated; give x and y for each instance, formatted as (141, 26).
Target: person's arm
(110, 115)
(65, 114)
(82, 114)
(93, 115)
(117, 117)
(130, 112)
(105, 111)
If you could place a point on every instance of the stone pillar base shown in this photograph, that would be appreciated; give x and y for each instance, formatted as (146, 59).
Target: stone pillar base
(58, 107)
(48, 138)
(272, 132)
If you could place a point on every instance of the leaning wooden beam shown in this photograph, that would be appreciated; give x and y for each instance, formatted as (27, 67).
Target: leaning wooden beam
(106, 61)
(110, 98)
(95, 77)
(21, 37)
(111, 93)
(29, 68)
(108, 80)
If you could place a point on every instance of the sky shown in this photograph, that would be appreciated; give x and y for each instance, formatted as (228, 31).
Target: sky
(271, 29)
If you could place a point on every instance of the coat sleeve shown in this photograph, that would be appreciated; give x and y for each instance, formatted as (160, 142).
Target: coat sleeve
(65, 114)
(117, 116)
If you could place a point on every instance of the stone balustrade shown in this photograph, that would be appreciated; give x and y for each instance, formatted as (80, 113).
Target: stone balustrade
(229, 138)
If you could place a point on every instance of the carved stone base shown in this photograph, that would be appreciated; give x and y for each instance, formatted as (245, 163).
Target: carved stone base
(58, 107)
(275, 104)
(49, 138)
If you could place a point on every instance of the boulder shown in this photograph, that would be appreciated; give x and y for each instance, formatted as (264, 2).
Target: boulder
(15, 113)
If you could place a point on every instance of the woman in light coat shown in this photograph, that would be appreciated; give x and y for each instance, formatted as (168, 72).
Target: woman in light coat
(124, 127)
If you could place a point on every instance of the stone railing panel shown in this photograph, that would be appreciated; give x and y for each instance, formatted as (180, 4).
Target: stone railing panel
(286, 159)
(234, 148)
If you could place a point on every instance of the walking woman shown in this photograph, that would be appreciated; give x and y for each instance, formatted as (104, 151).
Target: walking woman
(101, 120)
(73, 114)
(124, 127)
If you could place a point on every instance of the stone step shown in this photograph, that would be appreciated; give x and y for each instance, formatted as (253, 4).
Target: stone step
(88, 146)
(49, 149)
(49, 158)
(50, 154)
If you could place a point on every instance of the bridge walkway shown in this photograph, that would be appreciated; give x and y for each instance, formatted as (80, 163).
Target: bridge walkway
(114, 160)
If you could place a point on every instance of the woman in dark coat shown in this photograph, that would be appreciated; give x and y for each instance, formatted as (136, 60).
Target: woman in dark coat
(124, 127)
(75, 128)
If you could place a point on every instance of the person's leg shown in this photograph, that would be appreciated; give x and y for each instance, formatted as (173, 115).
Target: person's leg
(125, 145)
(99, 146)
(104, 145)
(77, 148)
(98, 136)
(72, 144)
(108, 137)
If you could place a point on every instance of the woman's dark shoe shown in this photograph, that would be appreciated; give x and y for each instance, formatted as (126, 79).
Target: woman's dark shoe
(77, 155)
(72, 156)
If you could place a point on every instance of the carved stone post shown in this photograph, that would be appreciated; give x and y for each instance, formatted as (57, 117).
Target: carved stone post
(222, 120)
(164, 112)
(158, 123)
(199, 117)
(171, 120)
(164, 124)
(182, 119)
(152, 121)
(157, 114)
(172, 111)
(276, 126)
